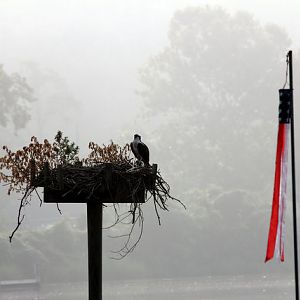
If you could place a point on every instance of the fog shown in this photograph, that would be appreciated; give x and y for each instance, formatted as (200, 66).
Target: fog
(198, 80)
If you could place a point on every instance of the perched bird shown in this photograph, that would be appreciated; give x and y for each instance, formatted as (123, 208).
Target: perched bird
(140, 150)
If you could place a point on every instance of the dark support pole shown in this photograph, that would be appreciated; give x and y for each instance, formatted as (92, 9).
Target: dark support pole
(290, 57)
(94, 222)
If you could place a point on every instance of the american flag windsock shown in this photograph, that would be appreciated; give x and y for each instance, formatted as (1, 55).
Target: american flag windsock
(277, 222)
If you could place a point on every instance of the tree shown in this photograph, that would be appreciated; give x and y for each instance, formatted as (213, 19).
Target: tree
(213, 91)
(216, 85)
(15, 97)
(54, 95)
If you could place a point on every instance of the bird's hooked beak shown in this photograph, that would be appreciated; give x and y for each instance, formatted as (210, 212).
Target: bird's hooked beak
(137, 137)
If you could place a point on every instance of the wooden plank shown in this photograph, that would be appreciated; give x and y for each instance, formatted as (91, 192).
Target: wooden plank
(94, 222)
(121, 195)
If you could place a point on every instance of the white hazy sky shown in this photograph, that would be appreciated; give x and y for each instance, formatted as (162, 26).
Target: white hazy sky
(52, 17)
(93, 45)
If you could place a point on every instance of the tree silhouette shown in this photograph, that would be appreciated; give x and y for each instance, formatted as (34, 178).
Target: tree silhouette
(213, 91)
(15, 97)
(215, 86)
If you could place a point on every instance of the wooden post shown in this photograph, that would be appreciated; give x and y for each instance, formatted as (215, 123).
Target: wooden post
(108, 193)
(94, 228)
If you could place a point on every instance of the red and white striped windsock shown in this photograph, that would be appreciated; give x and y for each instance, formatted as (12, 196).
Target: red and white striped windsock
(277, 222)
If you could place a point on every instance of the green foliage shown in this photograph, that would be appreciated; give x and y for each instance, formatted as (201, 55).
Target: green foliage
(66, 151)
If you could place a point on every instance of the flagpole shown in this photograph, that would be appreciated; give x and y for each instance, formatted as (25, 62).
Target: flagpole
(290, 60)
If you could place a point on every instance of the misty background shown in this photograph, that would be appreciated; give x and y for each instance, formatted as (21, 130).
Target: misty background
(198, 80)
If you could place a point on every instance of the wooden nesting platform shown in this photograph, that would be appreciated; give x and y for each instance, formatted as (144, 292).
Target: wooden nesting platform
(107, 182)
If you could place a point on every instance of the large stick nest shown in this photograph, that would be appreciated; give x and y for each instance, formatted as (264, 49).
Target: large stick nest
(108, 175)
(106, 182)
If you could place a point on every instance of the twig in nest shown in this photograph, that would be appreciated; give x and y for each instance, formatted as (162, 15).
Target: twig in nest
(127, 248)
(41, 201)
(58, 208)
(20, 215)
(159, 192)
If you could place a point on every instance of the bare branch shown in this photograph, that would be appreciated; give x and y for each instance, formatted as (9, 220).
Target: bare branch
(20, 215)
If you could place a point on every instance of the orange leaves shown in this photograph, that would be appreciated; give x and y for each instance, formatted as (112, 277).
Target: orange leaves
(15, 167)
(17, 171)
(112, 153)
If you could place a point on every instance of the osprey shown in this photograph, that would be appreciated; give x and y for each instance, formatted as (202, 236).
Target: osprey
(140, 150)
